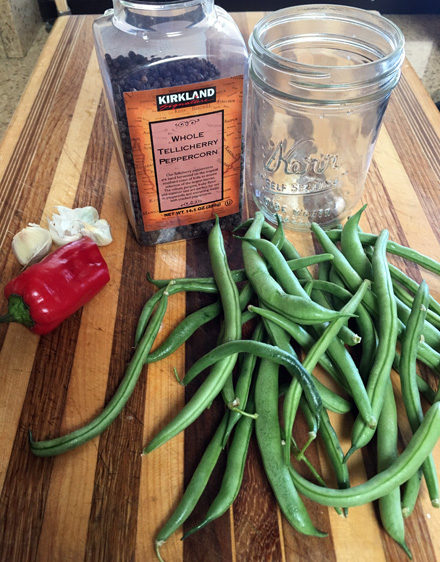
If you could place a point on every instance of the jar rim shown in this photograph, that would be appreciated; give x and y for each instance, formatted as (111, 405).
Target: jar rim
(351, 14)
(158, 4)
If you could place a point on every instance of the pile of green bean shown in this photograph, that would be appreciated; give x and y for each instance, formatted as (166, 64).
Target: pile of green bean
(359, 318)
(353, 301)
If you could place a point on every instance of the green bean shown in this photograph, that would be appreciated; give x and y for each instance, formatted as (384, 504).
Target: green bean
(303, 338)
(298, 309)
(195, 487)
(407, 299)
(419, 447)
(173, 287)
(292, 254)
(286, 278)
(244, 380)
(279, 237)
(335, 278)
(146, 313)
(408, 377)
(269, 441)
(231, 326)
(233, 475)
(280, 338)
(364, 322)
(354, 381)
(422, 386)
(410, 493)
(265, 351)
(412, 286)
(76, 438)
(352, 248)
(350, 277)
(301, 457)
(278, 265)
(290, 408)
(389, 504)
(387, 338)
(333, 449)
(268, 231)
(202, 398)
(324, 270)
(430, 333)
(239, 275)
(184, 331)
(394, 248)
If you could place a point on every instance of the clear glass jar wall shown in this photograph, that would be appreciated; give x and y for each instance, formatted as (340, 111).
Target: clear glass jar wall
(321, 77)
(167, 68)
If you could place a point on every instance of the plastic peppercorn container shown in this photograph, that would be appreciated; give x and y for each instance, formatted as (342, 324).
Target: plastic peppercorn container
(174, 77)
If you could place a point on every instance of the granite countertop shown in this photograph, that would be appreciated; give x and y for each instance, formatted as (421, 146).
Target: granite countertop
(422, 47)
(422, 36)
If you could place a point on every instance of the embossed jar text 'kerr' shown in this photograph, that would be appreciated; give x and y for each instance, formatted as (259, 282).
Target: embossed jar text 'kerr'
(320, 81)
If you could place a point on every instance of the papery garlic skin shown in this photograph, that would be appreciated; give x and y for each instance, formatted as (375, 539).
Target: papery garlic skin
(71, 224)
(31, 244)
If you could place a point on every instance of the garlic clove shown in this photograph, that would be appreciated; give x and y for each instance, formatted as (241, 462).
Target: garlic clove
(99, 232)
(31, 244)
(71, 224)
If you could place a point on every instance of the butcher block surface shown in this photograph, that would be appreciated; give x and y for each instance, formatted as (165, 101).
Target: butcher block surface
(105, 501)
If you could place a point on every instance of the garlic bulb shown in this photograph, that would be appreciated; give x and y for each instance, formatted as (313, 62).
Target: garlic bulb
(31, 244)
(71, 224)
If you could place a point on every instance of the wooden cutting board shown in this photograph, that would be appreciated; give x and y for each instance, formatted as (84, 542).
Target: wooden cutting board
(104, 501)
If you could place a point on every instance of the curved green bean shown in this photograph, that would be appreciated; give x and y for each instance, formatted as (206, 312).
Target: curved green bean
(76, 438)
(195, 487)
(247, 363)
(412, 286)
(239, 275)
(393, 248)
(173, 287)
(299, 309)
(303, 338)
(233, 475)
(386, 347)
(268, 433)
(184, 331)
(265, 351)
(229, 297)
(419, 447)
(408, 378)
(389, 504)
(333, 449)
(352, 248)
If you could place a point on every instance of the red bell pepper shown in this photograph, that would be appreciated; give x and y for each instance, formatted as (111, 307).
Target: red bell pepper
(50, 291)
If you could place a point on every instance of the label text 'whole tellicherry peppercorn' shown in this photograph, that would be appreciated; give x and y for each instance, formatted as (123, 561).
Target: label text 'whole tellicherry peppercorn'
(186, 145)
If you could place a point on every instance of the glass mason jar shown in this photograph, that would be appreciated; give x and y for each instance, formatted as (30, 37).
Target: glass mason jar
(174, 75)
(320, 81)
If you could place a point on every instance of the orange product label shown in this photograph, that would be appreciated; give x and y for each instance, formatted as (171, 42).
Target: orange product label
(186, 144)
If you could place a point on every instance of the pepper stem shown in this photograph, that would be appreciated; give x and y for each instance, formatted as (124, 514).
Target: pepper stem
(18, 311)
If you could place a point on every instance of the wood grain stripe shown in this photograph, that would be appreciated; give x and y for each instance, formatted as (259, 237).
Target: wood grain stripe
(112, 523)
(216, 536)
(17, 358)
(42, 412)
(405, 202)
(57, 184)
(422, 127)
(16, 180)
(417, 152)
(64, 533)
(162, 470)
